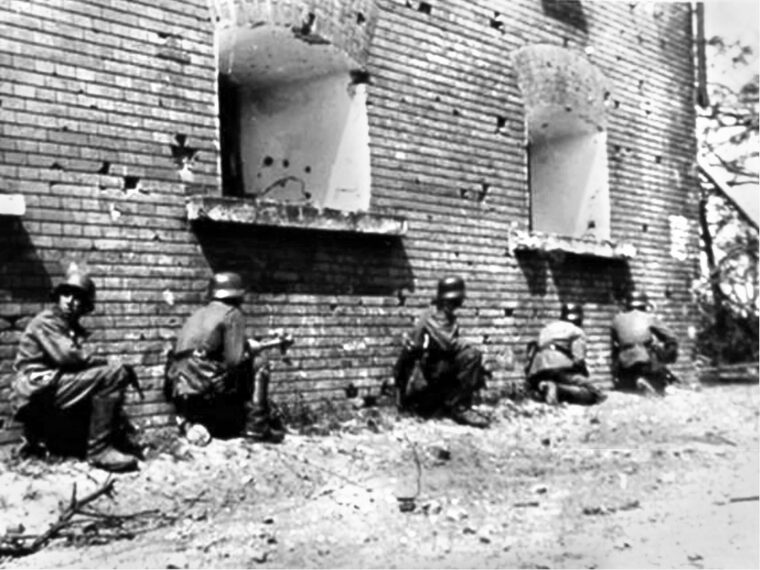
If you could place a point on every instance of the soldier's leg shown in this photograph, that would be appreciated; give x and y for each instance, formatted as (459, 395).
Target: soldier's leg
(259, 425)
(576, 389)
(105, 387)
(469, 377)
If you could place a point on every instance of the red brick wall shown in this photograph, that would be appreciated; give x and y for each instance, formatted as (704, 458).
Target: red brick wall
(95, 92)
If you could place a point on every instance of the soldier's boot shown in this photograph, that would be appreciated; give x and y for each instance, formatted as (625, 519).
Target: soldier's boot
(470, 417)
(258, 422)
(127, 438)
(576, 395)
(100, 452)
(548, 390)
(643, 386)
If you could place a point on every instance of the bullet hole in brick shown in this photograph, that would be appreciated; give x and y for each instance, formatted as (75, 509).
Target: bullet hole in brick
(333, 307)
(268, 161)
(455, 112)
(307, 169)
(658, 159)
(591, 224)
(645, 228)
(607, 96)
(668, 292)
(359, 76)
(501, 122)
(484, 188)
(56, 166)
(156, 237)
(509, 311)
(425, 8)
(618, 148)
(307, 195)
(640, 38)
(619, 57)
(565, 42)
(65, 128)
(641, 84)
(463, 193)
(496, 22)
(181, 153)
(456, 254)
(285, 163)
(616, 104)
(416, 180)
(141, 337)
(131, 182)
(437, 99)
(360, 19)
(486, 339)
(568, 109)
(105, 167)
(430, 217)
(351, 391)
(401, 296)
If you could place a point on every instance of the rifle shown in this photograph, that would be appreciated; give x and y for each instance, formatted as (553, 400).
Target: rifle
(280, 340)
(133, 381)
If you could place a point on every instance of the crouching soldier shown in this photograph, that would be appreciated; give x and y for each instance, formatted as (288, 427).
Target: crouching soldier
(211, 376)
(556, 368)
(59, 384)
(445, 371)
(641, 347)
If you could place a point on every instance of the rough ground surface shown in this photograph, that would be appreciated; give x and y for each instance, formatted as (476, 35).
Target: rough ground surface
(632, 483)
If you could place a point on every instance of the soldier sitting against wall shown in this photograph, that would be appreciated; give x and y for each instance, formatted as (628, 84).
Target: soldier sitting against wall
(641, 348)
(212, 377)
(437, 372)
(556, 368)
(60, 385)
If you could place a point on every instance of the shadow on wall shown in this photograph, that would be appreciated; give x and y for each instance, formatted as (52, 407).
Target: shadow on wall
(23, 276)
(577, 278)
(275, 260)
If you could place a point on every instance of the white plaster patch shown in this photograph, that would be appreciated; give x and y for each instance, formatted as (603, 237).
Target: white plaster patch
(679, 237)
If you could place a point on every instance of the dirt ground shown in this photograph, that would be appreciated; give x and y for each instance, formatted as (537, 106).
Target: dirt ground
(632, 483)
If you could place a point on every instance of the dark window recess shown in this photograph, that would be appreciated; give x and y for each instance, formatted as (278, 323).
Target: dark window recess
(568, 11)
(229, 119)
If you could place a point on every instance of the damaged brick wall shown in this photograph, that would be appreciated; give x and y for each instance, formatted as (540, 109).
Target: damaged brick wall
(109, 121)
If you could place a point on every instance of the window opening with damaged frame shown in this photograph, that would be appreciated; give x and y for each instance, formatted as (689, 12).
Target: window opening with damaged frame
(293, 117)
(568, 174)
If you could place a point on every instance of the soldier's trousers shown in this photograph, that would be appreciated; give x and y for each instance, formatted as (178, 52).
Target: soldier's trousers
(446, 382)
(572, 386)
(653, 372)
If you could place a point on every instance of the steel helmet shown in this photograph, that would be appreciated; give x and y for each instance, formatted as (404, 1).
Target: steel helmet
(638, 300)
(226, 285)
(80, 284)
(572, 313)
(451, 288)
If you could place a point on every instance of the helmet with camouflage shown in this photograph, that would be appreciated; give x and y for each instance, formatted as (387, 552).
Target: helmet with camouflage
(450, 289)
(80, 284)
(226, 285)
(637, 300)
(572, 313)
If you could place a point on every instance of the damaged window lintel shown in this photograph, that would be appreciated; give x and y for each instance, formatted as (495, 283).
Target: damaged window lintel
(280, 214)
(521, 240)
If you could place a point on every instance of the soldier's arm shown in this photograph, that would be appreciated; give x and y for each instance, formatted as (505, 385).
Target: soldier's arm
(235, 343)
(578, 348)
(59, 346)
(663, 334)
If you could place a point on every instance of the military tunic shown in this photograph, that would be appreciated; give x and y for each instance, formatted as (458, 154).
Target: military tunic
(449, 370)
(641, 346)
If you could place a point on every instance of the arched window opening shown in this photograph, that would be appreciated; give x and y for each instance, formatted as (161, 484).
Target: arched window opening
(564, 98)
(294, 119)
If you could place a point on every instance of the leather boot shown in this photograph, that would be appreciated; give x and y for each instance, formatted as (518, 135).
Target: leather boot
(100, 452)
(258, 424)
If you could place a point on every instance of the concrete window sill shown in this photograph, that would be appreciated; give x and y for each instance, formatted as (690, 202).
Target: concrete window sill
(12, 205)
(277, 214)
(538, 241)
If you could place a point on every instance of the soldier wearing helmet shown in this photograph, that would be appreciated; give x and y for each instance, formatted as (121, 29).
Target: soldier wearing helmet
(556, 369)
(59, 380)
(445, 371)
(211, 376)
(641, 347)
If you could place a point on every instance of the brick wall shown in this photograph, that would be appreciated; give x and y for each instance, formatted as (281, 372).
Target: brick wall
(96, 92)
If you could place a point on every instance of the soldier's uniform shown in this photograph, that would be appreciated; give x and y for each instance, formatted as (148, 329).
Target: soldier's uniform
(211, 375)
(641, 348)
(556, 367)
(56, 374)
(437, 372)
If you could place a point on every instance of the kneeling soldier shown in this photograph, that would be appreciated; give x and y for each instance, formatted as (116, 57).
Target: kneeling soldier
(56, 376)
(211, 376)
(556, 366)
(445, 371)
(641, 347)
